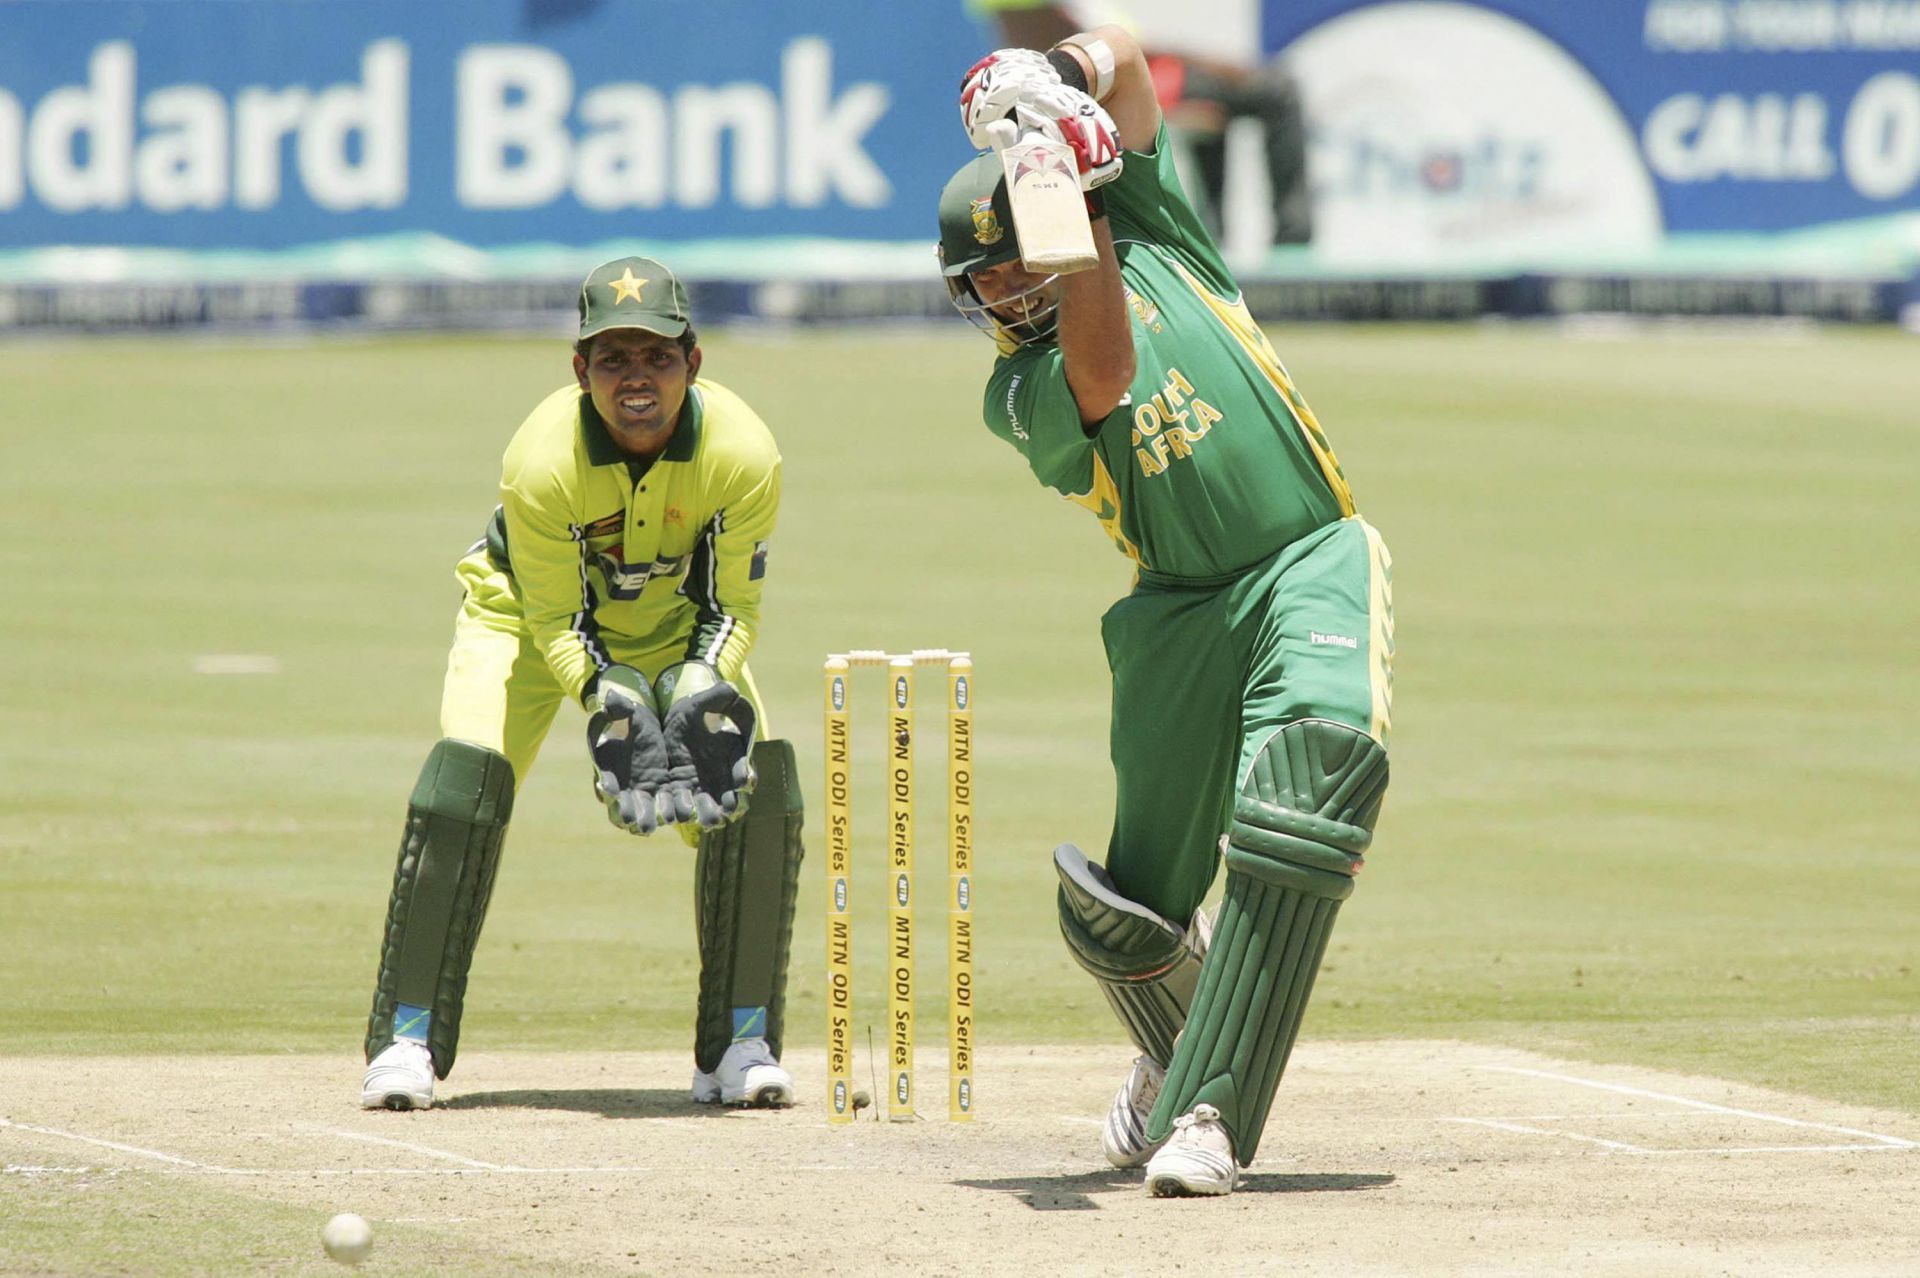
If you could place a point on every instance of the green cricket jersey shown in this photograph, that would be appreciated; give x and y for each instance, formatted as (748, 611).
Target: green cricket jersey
(1213, 462)
(674, 552)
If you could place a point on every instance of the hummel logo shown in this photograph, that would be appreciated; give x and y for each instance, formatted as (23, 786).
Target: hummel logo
(1337, 641)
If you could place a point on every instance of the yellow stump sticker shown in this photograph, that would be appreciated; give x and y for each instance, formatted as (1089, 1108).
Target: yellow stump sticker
(839, 756)
(960, 889)
(961, 996)
(900, 904)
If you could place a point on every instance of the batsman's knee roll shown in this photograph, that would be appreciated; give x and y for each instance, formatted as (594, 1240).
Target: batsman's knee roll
(1146, 965)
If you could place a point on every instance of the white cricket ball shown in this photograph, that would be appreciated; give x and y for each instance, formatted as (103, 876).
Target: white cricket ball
(348, 1238)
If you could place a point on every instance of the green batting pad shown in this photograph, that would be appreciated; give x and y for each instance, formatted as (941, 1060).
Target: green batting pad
(448, 856)
(1301, 824)
(745, 885)
(1142, 962)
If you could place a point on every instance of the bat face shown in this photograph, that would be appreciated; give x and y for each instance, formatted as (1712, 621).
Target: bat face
(1049, 212)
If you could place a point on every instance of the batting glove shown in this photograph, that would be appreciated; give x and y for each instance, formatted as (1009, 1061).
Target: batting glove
(998, 83)
(629, 750)
(709, 726)
(1070, 115)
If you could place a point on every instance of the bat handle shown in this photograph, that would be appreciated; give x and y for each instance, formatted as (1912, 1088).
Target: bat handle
(1002, 134)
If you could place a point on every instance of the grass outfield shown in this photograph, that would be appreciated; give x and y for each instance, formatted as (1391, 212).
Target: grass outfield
(1654, 753)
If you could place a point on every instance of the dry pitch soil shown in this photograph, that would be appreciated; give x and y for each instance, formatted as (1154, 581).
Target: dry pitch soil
(1382, 1158)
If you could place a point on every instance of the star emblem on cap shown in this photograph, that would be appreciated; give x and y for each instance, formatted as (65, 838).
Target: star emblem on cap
(626, 288)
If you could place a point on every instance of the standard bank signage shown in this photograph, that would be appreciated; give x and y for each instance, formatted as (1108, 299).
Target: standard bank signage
(273, 123)
(525, 135)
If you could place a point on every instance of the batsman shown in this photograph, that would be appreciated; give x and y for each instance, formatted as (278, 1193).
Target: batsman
(1251, 661)
(622, 571)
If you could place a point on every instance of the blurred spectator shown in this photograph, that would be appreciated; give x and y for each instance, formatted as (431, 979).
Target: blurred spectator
(1041, 24)
(1201, 98)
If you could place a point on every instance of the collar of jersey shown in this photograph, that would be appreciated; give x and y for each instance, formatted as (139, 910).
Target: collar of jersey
(602, 451)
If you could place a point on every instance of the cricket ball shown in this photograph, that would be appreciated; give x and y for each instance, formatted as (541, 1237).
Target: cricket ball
(862, 1099)
(348, 1238)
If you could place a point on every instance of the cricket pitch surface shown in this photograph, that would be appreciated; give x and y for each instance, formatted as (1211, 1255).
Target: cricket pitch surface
(1381, 1158)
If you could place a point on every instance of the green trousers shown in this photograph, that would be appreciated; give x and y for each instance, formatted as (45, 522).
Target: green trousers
(1204, 674)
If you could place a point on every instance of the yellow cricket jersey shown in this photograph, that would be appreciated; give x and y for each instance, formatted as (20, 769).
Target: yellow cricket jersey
(598, 544)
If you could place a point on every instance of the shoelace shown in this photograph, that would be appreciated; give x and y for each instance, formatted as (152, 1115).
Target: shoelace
(1184, 1125)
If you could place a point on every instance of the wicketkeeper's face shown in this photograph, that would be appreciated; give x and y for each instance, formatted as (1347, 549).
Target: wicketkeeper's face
(638, 381)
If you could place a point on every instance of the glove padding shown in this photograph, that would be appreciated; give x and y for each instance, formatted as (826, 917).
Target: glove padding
(1070, 115)
(629, 750)
(710, 728)
(996, 84)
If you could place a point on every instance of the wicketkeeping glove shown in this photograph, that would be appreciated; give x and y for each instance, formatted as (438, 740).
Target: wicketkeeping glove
(996, 84)
(1070, 115)
(710, 727)
(629, 750)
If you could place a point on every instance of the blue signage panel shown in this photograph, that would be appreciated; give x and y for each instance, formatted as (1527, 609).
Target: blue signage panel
(1568, 124)
(221, 123)
(1444, 132)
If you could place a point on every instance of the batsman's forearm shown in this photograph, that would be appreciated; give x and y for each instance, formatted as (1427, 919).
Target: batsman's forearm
(1130, 99)
(1096, 340)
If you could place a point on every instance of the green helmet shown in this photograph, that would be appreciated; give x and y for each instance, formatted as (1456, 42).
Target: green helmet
(976, 232)
(976, 226)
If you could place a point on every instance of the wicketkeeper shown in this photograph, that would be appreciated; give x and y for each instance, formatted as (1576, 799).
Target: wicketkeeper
(1251, 662)
(622, 571)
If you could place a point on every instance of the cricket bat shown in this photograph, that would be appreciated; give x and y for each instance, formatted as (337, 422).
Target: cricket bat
(1043, 192)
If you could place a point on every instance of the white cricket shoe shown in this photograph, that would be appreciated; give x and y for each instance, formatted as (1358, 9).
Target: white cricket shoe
(400, 1077)
(1124, 1138)
(748, 1076)
(1197, 1158)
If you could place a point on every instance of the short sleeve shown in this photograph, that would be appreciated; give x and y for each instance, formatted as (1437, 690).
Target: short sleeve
(1030, 405)
(1147, 203)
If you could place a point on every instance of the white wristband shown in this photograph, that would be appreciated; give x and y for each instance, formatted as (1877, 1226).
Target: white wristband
(1099, 55)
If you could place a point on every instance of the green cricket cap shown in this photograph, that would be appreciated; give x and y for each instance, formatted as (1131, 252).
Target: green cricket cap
(633, 292)
(976, 223)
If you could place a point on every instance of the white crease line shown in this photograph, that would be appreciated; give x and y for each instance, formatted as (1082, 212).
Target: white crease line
(304, 1173)
(1891, 1141)
(1075, 1118)
(428, 1150)
(1598, 1115)
(391, 1171)
(1525, 1130)
(264, 1173)
(1789, 1149)
(431, 1220)
(111, 1144)
(1626, 1116)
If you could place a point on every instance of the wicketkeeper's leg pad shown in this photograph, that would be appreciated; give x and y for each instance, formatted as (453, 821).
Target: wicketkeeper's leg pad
(746, 883)
(1145, 964)
(1301, 826)
(448, 855)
